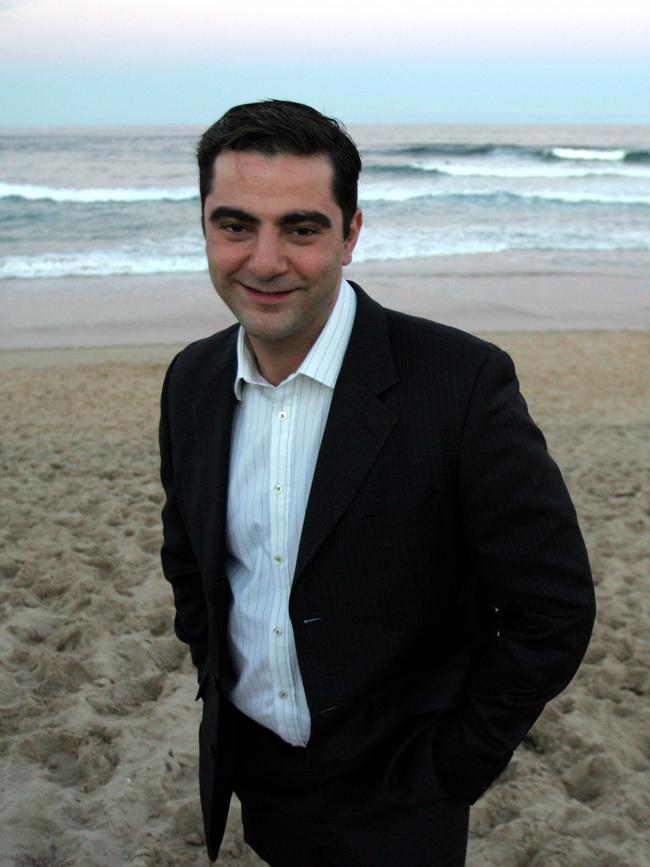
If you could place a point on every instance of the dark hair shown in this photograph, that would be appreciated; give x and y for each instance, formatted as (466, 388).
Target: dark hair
(275, 126)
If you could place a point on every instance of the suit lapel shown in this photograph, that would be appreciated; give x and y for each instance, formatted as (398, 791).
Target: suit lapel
(357, 426)
(212, 415)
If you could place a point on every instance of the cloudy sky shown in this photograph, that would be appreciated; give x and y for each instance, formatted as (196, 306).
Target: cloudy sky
(185, 61)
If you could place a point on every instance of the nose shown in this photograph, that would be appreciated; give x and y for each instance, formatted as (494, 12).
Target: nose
(267, 259)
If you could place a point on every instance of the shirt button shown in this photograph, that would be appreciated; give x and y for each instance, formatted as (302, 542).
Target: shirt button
(277, 489)
(277, 630)
(283, 416)
(283, 694)
(278, 559)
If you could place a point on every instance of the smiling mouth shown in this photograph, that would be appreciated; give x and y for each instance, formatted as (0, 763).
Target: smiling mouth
(267, 295)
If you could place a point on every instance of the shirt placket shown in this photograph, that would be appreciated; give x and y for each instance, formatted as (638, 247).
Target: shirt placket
(282, 444)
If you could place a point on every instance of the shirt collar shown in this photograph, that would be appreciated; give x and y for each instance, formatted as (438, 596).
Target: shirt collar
(323, 361)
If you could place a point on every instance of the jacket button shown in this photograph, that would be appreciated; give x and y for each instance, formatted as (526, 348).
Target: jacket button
(325, 710)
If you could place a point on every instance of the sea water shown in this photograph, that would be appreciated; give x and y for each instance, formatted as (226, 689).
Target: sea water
(109, 202)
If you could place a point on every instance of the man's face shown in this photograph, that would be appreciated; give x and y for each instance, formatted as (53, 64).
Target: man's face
(275, 246)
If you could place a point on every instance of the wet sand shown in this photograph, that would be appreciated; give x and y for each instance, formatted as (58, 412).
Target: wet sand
(514, 292)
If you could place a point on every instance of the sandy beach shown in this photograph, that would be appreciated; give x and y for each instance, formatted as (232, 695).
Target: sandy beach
(98, 725)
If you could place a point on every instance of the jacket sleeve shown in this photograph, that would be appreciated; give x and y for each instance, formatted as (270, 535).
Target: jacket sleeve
(526, 549)
(179, 563)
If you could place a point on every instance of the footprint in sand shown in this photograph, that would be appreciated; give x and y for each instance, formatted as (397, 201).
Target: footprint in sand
(70, 760)
(52, 673)
(126, 696)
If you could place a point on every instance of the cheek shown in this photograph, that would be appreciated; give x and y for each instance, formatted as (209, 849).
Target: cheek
(222, 258)
(317, 264)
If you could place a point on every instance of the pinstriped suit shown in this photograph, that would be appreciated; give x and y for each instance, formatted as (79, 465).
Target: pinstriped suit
(442, 593)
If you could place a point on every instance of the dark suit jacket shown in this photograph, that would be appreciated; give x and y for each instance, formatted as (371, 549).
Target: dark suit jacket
(442, 593)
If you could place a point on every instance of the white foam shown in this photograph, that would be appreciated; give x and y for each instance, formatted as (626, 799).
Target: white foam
(374, 245)
(581, 197)
(378, 193)
(34, 193)
(390, 244)
(382, 245)
(97, 263)
(614, 155)
(533, 170)
(403, 194)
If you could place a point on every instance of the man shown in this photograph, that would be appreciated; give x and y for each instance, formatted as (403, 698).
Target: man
(375, 562)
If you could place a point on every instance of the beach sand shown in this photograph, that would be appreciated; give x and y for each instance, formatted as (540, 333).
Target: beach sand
(98, 724)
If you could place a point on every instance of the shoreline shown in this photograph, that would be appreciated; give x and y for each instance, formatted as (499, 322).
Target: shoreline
(495, 293)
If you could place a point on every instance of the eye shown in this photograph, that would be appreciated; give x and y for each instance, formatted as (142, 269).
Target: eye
(234, 228)
(304, 231)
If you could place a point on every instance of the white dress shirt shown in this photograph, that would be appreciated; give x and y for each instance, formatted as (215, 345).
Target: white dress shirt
(277, 432)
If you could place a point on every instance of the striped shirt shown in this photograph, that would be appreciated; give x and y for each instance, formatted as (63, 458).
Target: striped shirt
(277, 431)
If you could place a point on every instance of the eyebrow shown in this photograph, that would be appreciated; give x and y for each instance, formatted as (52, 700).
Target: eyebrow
(297, 217)
(226, 213)
(294, 218)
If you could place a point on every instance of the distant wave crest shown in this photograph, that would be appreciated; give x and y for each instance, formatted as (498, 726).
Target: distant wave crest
(532, 170)
(444, 150)
(556, 153)
(579, 198)
(610, 155)
(98, 195)
(379, 194)
(560, 169)
(592, 154)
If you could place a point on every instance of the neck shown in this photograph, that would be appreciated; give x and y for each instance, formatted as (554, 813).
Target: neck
(278, 359)
(274, 364)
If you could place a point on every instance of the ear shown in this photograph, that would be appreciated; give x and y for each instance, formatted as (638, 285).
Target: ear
(353, 236)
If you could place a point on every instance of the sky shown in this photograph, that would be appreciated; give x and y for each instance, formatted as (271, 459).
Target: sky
(73, 62)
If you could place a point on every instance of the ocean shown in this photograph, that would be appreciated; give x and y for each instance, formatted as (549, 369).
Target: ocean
(124, 201)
